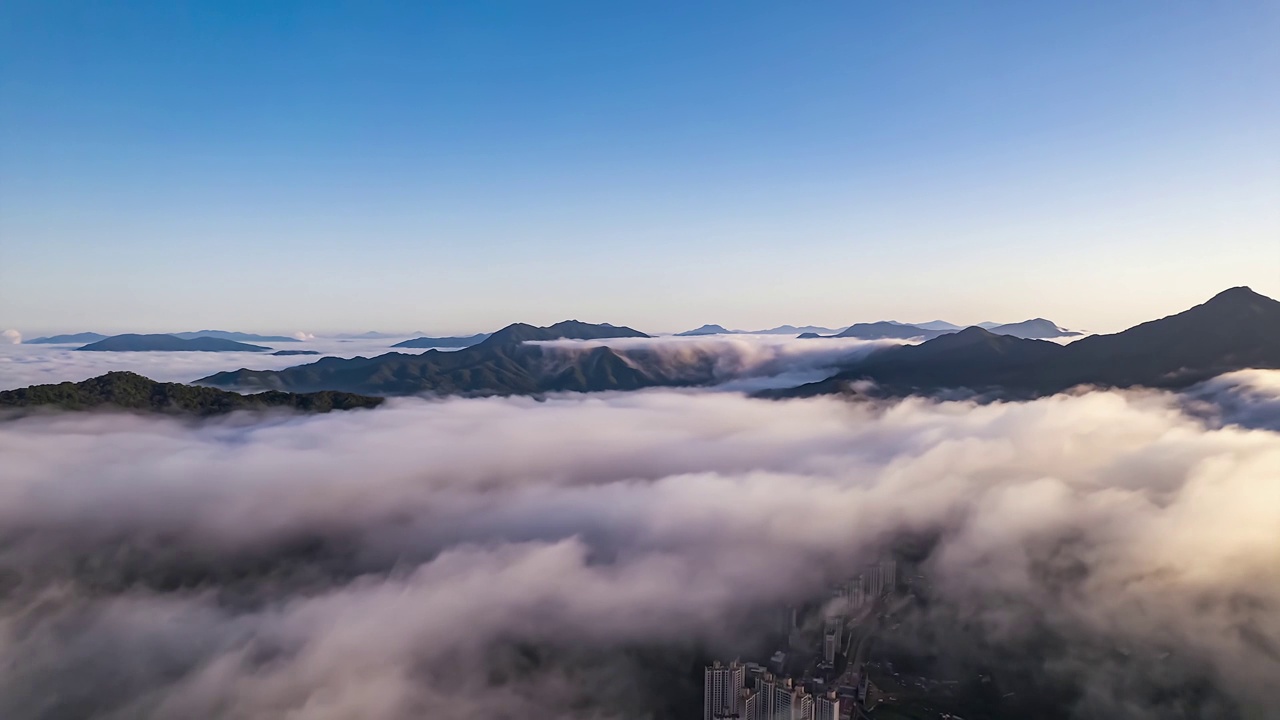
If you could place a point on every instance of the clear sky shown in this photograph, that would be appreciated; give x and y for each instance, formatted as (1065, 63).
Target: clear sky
(318, 166)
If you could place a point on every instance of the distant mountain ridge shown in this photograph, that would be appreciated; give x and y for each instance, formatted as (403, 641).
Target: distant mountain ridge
(168, 343)
(92, 337)
(1033, 329)
(936, 325)
(502, 364)
(443, 342)
(83, 337)
(1235, 329)
(130, 391)
(707, 330)
(796, 330)
(779, 330)
(236, 336)
(1037, 328)
(886, 330)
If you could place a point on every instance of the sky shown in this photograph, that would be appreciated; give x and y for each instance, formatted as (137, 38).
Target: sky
(449, 167)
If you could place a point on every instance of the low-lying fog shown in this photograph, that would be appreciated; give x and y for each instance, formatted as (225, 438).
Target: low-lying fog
(512, 557)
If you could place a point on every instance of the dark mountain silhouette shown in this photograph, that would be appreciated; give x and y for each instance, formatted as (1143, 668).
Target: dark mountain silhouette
(974, 359)
(779, 330)
(443, 342)
(707, 330)
(130, 391)
(885, 330)
(78, 338)
(566, 330)
(937, 325)
(503, 364)
(236, 336)
(797, 330)
(169, 343)
(296, 352)
(1036, 328)
(1236, 329)
(888, 329)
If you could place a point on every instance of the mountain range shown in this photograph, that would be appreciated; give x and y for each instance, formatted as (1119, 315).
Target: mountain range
(443, 342)
(1034, 328)
(84, 337)
(708, 330)
(169, 343)
(130, 391)
(1235, 329)
(236, 336)
(780, 330)
(505, 363)
(91, 337)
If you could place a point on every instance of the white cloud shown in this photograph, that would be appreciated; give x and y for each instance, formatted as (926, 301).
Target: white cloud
(23, 365)
(393, 563)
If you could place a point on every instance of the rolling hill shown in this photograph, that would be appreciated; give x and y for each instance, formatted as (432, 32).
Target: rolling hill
(78, 338)
(236, 336)
(169, 343)
(706, 330)
(502, 364)
(888, 330)
(1034, 329)
(443, 342)
(130, 391)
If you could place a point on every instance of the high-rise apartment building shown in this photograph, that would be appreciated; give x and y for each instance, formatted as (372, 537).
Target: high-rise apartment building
(782, 700)
(721, 689)
(876, 581)
(826, 706)
(831, 628)
(749, 705)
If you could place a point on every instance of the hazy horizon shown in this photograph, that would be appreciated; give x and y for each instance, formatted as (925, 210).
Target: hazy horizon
(400, 333)
(305, 166)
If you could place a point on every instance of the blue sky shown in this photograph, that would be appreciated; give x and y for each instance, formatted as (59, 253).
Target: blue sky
(457, 166)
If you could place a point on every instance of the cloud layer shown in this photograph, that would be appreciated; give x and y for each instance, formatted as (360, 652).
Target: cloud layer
(510, 557)
(23, 365)
(734, 362)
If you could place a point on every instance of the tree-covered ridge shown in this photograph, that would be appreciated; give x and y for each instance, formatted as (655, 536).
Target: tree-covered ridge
(503, 364)
(130, 391)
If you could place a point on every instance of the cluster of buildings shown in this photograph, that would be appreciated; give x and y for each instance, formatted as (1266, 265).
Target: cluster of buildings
(750, 692)
(878, 580)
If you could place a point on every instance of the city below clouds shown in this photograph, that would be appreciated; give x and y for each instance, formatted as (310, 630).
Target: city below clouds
(406, 561)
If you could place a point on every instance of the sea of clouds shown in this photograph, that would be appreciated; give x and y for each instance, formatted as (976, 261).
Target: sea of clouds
(25, 364)
(730, 362)
(576, 556)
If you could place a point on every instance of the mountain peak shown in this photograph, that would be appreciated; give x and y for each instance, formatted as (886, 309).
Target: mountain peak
(1241, 293)
(517, 333)
(973, 333)
(706, 330)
